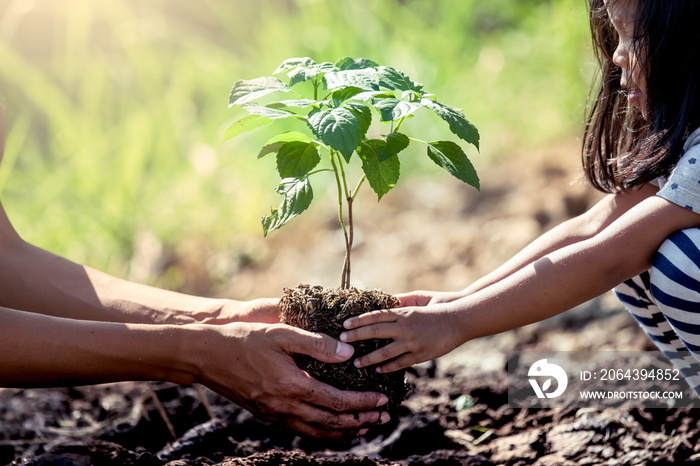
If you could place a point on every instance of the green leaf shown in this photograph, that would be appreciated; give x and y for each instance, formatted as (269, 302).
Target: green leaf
(412, 96)
(303, 69)
(394, 109)
(344, 93)
(290, 63)
(246, 123)
(348, 63)
(267, 112)
(427, 95)
(274, 144)
(366, 79)
(244, 91)
(452, 158)
(340, 95)
(301, 74)
(390, 78)
(341, 128)
(367, 95)
(296, 159)
(297, 194)
(298, 103)
(395, 143)
(382, 169)
(459, 124)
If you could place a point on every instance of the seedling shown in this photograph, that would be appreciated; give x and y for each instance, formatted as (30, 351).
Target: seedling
(336, 116)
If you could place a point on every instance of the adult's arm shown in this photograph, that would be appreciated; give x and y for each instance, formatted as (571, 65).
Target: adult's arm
(38, 281)
(249, 363)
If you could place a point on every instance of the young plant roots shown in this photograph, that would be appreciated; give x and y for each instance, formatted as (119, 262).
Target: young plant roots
(317, 310)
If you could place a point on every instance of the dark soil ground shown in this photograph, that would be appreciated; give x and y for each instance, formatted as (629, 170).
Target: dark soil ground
(428, 235)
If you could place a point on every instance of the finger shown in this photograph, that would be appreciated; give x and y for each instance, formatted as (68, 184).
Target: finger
(341, 401)
(415, 298)
(370, 332)
(370, 318)
(260, 310)
(327, 420)
(313, 402)
(317, 345)
(324, 431)
(383, 354)
(330, 409)
(402, 362)
(267, 310)
(310, 430)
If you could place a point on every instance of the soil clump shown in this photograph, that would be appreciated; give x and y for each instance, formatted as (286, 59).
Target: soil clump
(320, 310)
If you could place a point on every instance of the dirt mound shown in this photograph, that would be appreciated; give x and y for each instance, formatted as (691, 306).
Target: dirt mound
(450, 418)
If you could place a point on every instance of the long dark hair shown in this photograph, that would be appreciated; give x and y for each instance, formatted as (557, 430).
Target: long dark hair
(621, 149)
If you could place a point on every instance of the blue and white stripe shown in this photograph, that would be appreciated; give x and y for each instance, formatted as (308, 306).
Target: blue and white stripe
(666, 302)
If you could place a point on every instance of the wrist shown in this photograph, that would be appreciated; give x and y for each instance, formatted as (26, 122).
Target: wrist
(204, 349)
(459, 322)
(191, 347)
(211, 311)
(166, 352)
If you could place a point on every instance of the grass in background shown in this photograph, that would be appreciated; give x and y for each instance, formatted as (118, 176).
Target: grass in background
(115, 109)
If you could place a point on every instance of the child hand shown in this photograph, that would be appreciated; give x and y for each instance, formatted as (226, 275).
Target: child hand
(419, 333)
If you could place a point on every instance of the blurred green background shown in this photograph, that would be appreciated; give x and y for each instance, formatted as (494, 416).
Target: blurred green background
(115, 108)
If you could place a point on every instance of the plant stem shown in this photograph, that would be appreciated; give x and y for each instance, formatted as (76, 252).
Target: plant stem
(348, 244)
(319, 171)
(342, 174)
(395, 130)
(357, 188)
(345, 276)
(349, 237)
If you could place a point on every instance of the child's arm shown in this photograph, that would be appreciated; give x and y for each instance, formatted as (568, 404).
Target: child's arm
(579, 228)
(556, 281)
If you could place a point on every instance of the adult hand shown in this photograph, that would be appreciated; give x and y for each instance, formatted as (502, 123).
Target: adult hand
(251, 364)
(264, 310)
(425, 298)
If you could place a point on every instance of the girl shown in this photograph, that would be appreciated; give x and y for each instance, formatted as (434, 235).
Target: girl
(642, 146)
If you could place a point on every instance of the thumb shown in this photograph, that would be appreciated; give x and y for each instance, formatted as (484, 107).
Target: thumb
(317, 345)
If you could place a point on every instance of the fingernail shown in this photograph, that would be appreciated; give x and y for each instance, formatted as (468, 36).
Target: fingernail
(382, 401)
(362, 432)
(356, 362)
(384, 418)
(343, 336)
(346, 324)
(378, 369)
(344, 350)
